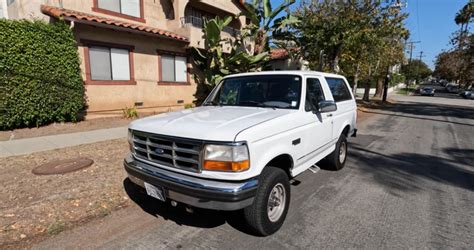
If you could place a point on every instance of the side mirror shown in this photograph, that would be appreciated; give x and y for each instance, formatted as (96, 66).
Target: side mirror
(327, 106)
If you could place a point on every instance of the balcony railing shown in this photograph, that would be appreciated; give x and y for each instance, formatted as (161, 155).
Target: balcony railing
(198, 23)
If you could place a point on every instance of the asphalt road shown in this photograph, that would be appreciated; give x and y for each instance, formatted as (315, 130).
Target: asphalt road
(409, 182)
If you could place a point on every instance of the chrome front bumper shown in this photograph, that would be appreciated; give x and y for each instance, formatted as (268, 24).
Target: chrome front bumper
(197, 192)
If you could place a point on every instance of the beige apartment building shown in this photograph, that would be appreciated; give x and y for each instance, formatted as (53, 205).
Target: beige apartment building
(133, 52)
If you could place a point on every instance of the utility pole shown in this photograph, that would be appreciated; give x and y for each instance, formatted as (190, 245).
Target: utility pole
(411, 45)
(421, 55)
(417, 68)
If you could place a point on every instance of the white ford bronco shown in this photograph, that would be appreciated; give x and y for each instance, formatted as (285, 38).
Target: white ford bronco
(253, 133)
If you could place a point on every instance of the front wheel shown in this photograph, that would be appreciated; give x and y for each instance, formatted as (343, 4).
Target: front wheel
(270, 206)
(337, 159)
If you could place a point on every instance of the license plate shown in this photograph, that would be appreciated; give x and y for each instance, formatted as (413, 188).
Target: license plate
(156, 192)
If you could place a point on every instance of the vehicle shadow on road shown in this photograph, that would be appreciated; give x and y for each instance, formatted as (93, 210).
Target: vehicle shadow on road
(409, 172)
(200, 218)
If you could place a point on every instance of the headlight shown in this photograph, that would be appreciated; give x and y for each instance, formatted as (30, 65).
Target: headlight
(226, 158)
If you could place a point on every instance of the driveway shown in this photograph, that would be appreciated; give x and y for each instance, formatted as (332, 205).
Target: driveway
(409, 182)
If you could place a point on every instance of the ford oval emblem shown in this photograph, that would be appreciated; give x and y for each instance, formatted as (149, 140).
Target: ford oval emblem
(159, 151)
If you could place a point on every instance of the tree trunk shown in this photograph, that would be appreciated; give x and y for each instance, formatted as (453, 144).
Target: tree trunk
(260, 42)
(367, 91)
(335, 59)
(369, 82)
(356, 79)
(379, 88)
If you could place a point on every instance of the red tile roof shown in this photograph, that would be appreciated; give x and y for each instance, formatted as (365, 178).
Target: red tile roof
(62, 13)
(278, 54)
(281, 53)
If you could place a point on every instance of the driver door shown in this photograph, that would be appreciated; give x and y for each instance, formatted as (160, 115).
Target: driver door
(318, 130)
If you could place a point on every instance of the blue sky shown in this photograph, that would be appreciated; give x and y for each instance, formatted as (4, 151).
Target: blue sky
(430, 21)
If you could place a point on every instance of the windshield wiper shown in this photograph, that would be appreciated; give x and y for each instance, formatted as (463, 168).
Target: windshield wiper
(258, 104)
(268, 106)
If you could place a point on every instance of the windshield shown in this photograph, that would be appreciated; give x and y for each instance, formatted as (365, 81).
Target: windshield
(274, 91)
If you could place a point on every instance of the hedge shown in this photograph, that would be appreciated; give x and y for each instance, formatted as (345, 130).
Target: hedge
(40, 79)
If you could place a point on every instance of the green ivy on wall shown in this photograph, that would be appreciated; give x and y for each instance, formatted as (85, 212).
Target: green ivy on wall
(40, 79)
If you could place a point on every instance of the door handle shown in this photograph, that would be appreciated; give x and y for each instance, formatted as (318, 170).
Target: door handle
(329, 115)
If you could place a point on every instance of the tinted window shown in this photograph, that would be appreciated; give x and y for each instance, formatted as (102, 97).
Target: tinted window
(278, 91)
(314, 94)
(339, 89)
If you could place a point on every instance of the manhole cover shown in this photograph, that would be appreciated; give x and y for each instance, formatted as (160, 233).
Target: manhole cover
(62, 166)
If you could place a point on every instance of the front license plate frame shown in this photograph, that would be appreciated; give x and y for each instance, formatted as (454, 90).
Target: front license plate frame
(155, 191)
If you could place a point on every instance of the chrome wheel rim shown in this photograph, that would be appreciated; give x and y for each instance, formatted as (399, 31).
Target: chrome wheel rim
(342, 152)
(276, 202)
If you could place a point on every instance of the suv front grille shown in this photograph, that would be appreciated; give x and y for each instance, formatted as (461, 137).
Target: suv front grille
(169, 151)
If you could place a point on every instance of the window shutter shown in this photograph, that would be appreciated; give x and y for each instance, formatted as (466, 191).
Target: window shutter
(112, 5)
(167, 68)
(120, 64)
(130, 7)
(181, 69)
(99, 58)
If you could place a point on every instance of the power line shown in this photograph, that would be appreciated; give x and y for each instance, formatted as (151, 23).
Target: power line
(418, 22)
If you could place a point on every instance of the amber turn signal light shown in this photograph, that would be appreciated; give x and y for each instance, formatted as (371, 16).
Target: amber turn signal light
(226, 166)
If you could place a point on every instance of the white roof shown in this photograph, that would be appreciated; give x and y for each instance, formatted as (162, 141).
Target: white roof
(286, 72)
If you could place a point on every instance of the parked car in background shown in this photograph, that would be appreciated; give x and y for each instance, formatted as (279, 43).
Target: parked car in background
(452, 88)
(239, 150)
(429, 91)
(467, 94)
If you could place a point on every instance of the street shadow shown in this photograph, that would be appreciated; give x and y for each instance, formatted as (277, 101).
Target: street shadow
(200, 218)
(426, 111)
(464, 156)
(408, 172)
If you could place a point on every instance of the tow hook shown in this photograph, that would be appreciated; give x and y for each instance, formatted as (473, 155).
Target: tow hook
(188, 208)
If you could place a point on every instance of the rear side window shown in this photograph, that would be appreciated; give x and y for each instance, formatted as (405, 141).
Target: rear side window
(339, 89)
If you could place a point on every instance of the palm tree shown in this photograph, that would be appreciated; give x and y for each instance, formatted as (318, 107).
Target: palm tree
(463, 18)
(263, 22)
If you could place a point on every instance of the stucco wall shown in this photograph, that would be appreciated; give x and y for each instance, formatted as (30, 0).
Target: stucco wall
(105, 98)
(287, 64)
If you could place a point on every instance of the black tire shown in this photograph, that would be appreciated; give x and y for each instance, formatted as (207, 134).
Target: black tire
(334, 161)
(256, 215)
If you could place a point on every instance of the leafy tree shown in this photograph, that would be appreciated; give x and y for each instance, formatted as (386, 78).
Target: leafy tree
(213, 63)
(360, 39)
(457, 64)
(417, 70)
(446, 66)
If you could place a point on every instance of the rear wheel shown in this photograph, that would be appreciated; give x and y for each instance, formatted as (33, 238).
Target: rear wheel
(337, 159)
(268, 211)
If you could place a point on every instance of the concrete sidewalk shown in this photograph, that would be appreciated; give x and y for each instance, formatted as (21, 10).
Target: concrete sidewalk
(43, 143)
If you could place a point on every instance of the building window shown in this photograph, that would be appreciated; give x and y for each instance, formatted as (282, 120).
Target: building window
(108, 63)
(130, 9)
(173, 68)
(339, 89)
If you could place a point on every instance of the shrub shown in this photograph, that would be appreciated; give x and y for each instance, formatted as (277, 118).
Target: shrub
(188, 106)
(130, 113)
(40, 80)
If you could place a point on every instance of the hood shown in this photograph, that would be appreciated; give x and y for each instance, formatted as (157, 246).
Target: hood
(212, 123)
